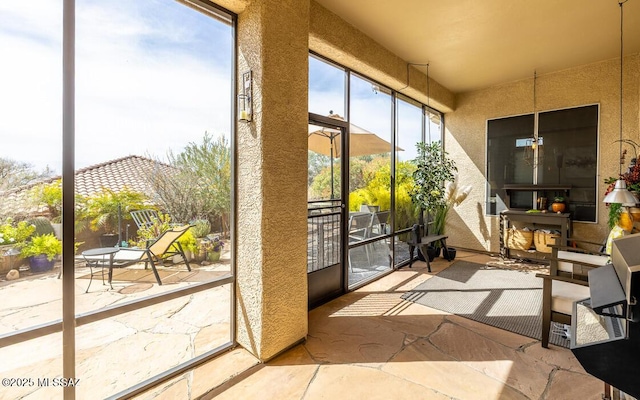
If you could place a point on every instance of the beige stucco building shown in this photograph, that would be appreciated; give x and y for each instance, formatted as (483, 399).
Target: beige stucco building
(274, 39)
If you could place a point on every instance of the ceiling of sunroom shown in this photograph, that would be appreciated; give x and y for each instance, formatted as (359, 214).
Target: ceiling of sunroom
(471, 44)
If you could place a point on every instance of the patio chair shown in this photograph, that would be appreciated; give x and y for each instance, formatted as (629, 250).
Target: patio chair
(566, 283)
(144, 218)
(379, 224)
(162, 248)
(359, 230)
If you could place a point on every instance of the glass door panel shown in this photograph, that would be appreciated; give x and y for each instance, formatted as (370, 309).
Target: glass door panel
(325, 208)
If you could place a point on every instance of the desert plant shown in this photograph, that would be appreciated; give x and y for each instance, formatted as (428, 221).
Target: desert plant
(188, 242)
(47, 245)
(200, 228)
(103, 208)
(199, 184)
(454, 195)
(42, 226)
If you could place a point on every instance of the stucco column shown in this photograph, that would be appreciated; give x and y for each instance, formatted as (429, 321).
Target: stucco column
(272, 178)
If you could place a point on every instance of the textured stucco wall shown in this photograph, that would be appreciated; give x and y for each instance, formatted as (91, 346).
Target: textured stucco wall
(272, 178)
(332, 37)
(465, 136)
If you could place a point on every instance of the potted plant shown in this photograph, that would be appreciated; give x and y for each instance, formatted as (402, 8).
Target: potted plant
(433, 169)
(213, 248)
(200, 229)
(558, 205)
(106, 209)
(41, 250)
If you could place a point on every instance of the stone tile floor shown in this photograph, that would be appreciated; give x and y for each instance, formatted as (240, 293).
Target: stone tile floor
(115, 353)
(368, 344)
(371, 344)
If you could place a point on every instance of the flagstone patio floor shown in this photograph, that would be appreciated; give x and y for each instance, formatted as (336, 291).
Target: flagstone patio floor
(371, 344)
(367, 344)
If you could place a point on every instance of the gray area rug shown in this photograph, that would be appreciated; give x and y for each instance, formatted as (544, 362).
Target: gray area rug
(506, 299)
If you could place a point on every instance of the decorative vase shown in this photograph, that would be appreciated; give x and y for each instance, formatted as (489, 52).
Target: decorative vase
(626, 221)
(558, 207)
(40, 263)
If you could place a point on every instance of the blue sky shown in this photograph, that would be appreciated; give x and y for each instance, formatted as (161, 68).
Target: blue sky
(151, 75)
(370, 109)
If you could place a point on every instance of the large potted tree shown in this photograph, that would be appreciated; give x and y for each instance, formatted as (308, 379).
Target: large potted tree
(433, 169)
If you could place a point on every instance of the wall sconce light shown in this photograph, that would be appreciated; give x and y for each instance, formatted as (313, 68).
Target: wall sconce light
(245, 107)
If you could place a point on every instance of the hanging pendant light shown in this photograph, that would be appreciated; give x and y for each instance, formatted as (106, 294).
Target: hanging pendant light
(620, 194)
(534, 147)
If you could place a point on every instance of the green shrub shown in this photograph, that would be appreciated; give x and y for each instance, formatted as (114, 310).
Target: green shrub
(188, 242)
(15, 234)
(48, 245)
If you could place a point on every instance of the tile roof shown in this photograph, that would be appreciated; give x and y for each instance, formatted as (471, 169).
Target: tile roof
(129, 172)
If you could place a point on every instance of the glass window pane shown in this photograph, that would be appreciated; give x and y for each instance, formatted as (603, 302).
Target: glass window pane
(506, 162)
(326, 88)
(570, 156)
(434, 126)
(369, 177)
(564, 155)
(38, 362)
(409, 127)
(31, 151)
(154, 129)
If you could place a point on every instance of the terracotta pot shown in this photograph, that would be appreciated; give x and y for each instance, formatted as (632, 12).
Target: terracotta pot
(558, 207)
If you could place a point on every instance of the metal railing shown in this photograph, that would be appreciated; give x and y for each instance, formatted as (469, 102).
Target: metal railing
(323, 234)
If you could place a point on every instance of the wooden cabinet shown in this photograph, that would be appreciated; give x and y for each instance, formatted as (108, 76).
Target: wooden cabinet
(537, 220)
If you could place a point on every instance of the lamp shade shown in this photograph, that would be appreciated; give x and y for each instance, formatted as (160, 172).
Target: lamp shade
(620, 194)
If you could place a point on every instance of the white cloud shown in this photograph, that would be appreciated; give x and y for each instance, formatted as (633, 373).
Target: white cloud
(144, 84)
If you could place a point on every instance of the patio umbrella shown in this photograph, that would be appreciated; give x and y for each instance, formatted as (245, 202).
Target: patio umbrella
(361, 142)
